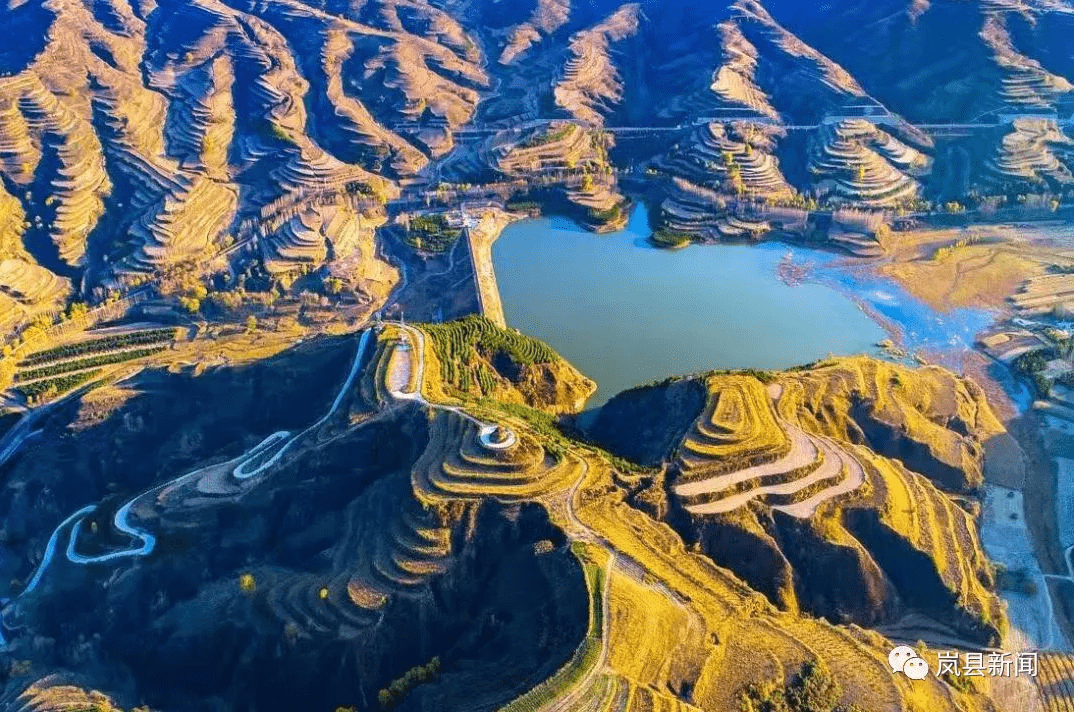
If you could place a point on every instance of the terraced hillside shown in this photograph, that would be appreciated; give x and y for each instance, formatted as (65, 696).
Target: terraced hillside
(858, 162)
(264, 138)
(1055, 676)
(1006, 47)
(469, 552)
(1031, 151)
(849, 461)
(186, 121)
(566, 149)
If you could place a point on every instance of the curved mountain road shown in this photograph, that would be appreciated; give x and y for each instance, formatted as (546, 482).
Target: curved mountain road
(145, 539)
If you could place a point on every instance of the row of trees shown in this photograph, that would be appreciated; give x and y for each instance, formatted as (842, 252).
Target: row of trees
(394, 693)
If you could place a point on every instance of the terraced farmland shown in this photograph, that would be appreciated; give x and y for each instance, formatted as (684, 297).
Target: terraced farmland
(637, 619)
(57, 385)
(790, 469)
(457, 466)
(858, 162)
(1055, 680)
(81, 364)
(737, 159)
(812, 459)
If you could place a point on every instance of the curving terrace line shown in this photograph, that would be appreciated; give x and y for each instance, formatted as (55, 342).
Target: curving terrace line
(855, 478)
(815, 459)
(803, 451)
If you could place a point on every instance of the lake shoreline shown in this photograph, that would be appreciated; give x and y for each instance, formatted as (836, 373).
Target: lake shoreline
(667, 312)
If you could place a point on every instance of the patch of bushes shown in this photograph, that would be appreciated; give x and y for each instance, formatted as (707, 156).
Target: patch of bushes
(606, 216)
(523, 206)
(475, 335)
(812, 690)
(556, 437)
(541, 139)
(472, 350)
(431, 233)
(671, 238)
(1031, 365)
(552, 437)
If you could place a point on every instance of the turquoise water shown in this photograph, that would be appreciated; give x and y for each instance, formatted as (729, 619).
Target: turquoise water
(942, 336)
(626, 313)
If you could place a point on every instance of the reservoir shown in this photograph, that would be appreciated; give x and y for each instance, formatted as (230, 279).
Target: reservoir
(626, 313)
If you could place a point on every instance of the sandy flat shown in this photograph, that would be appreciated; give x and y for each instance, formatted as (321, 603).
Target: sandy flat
(1007, 542)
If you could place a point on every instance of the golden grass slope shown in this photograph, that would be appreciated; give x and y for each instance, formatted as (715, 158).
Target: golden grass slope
(857, 161)
(933, 420)
(683, 632)
(839, 489)
(669, 628)
(154, 132)
(591, 84)
(859, 504)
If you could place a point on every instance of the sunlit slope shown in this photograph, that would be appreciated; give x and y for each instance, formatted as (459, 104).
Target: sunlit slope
(422, 518)
(135, 141)
(141, 139)
(820, 486)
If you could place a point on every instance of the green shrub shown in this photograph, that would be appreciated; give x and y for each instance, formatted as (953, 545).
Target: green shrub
(671, 238)
(605, 216)
(523, 206)
(431, 233)
(460, 343)
(540, 138)
(813, 689)
(1031, 365)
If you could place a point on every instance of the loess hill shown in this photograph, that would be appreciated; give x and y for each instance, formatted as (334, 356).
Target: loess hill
(421, 533)
(138, 139)
(843, 490)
